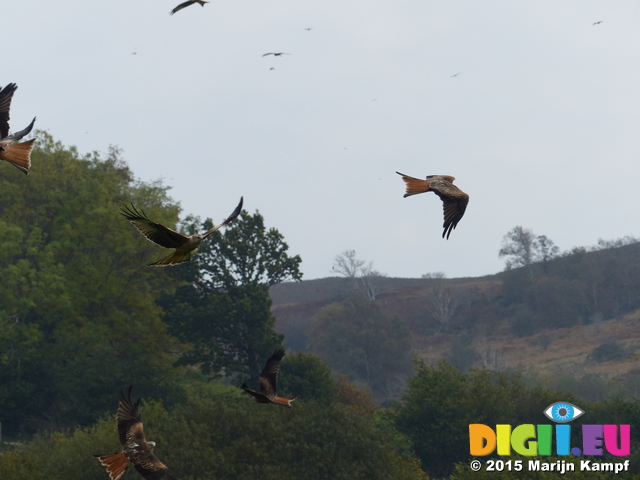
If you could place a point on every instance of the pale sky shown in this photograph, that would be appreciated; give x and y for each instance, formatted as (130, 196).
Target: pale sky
(541, 127)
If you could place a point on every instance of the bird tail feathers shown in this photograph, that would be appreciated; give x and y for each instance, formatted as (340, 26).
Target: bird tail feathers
(174, 258)
(284, 401)
(18, 154)
(116, 464)
(414, 185)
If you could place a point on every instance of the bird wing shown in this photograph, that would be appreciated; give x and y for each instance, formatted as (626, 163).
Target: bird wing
(454, 203)
(155, 232)
(229, 219)
(132, 438)
(270, 53)
(18, 135)
(181, 6)
(269, 375)
(6, 94)
(129, 421)
(150, 467)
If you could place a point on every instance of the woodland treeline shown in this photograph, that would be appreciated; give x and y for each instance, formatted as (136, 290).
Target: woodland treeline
(81, 318)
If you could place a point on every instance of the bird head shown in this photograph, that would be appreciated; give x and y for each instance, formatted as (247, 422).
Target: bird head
(151, 444)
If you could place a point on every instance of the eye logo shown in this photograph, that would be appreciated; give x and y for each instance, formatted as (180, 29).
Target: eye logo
(563, 412)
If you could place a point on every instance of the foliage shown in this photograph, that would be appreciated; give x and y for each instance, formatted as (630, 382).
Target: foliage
(524, 248)
(78, 317)
(561, 290)
(358, 338)
(223, 309)
(608, 351)
(441, 402)
(305, 376)
(223, 436)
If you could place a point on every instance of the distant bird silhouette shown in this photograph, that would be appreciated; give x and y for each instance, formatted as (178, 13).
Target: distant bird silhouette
(17, 154)
(598, 22)
(275, 54)
(453, 199)
(136, 450)
(455, 74)
(186, 4)
(165, 237)
(268, 383)
(308, 28)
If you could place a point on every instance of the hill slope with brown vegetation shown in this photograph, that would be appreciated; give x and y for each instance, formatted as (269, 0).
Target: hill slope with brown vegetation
(572, 320)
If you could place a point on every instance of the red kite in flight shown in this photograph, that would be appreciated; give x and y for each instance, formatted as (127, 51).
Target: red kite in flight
(17, 154)
(268, 382)
(136, 450)
(454, 200)
(165, 237)
(275, 54)
(186, 4)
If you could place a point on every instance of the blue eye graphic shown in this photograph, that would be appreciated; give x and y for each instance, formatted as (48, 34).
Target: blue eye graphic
(563, 412)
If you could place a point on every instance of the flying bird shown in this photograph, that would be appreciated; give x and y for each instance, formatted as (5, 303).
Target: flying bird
(455, 75)
(275, 54)
(598, 22)
(17, 154)
(186, 4)
(136, 450)
(165, 237)
(454, 200)
(268, 381)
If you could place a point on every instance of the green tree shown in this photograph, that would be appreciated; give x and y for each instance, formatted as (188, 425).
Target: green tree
(78, 317)
(356, 337)
(223, 436)
(304, 375)
(223, 308)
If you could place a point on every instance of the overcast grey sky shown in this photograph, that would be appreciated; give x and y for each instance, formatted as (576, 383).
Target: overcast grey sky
(540, 127)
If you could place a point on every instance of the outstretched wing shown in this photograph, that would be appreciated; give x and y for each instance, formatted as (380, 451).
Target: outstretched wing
(18, 135)
(6, 94)
(148, 465)
(181, 6)
(229, 219)
(129, 421)
(454, 204)
(269, 375)
(155, 232)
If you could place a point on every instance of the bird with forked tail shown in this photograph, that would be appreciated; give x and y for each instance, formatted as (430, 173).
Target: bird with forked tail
(454, 200)
(165, 237)
(136, 450)
(268, 383)
(17, 154)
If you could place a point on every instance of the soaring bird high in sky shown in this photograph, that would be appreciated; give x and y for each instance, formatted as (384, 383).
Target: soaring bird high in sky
(275, 54)
(17, 154)
(268, 383)
(165, 237)
(136, 450)
(186, 4)
(453, 199)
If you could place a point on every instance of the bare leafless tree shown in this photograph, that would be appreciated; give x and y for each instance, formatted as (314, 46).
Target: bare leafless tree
(443, 304)
(360, 273)
(491, 357)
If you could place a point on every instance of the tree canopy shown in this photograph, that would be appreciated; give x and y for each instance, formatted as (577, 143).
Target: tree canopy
(78, 316)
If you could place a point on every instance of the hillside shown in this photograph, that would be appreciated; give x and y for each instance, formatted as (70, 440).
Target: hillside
(570, 321)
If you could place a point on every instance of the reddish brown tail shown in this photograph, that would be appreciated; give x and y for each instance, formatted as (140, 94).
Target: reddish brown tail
(18, 154)
(414, 185)
(284, 401)
(116, 464)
